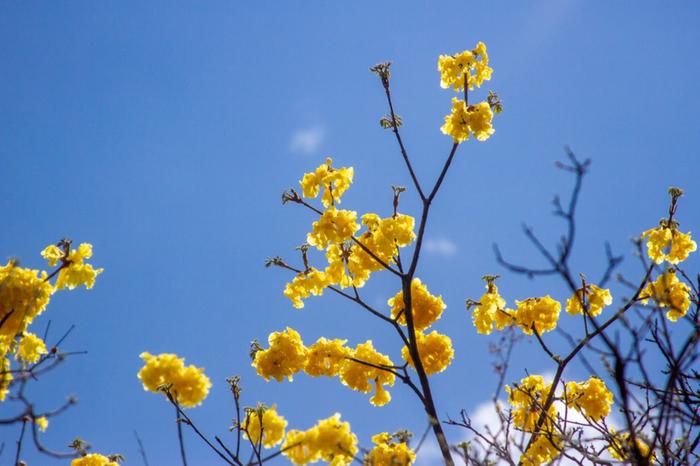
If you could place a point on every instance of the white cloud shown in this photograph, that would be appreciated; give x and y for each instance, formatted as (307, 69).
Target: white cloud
(306, 141)
(441, 246)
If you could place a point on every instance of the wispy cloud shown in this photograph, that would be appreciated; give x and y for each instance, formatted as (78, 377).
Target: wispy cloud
(306, 141)
(441, 246)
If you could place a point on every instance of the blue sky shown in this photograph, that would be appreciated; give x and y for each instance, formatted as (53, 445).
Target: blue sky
(165, 132)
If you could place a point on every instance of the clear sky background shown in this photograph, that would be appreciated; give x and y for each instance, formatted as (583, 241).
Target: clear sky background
(164, 133)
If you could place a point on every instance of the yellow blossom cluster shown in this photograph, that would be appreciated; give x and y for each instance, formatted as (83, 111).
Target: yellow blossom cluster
(329, 440)
(435, 351)
(42, 423)
(595, 297)
(469, 119)
(470, 68)
(666, 243)
(427, 308)
(528, 398)
(93, 459)
(188, 384)
(541, 313)
(592, 397)
(333, 181)
(25, 293)
(668, 291)
(543, 449)
(389, 450)
(267, 420)
(75, 271)
(30, 348)
(351, 259)
(285, 357)
(358, 368)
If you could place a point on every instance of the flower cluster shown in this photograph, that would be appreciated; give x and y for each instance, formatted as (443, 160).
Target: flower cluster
(358, 368)
(668, 291)
(329, 440)
(25, 293)
(666, 243)
(435, 351)
(528, 399)
(351, 257)
(469, 68)
(427, 308)
(540, 314)
(595, 298)
(621, 448)
(267, 420)
(592, 397)
(187, 384)
(333, 181)
(390, 450)
(93, 459)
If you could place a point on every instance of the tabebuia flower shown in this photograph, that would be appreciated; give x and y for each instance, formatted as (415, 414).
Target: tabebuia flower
(188, 384)
(364, 377)
(329, 440)
(542, 314)
(466, 120)
(390, 450)
(93, 459)
(667, 243)
(543, 449)
(305, 284)
(490, 309)
(471, 66)
(75, 271)
(333, 181)
(595, 297)
(267, 420)
(24, 294)
(435, 352)
(668, 291)
(334, 227)
(285, 357)
(528, 398)
(30, 348)
(591, 397)
(427, 308)
(326, 357)
(621, 447)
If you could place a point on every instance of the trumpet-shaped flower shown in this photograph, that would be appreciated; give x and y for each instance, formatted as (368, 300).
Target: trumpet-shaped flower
(427, 308)
(188, 384)
(285, 357)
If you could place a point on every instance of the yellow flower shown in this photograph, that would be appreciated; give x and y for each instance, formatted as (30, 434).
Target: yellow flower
(5, 378)
(668, 292)
(335, 441)
(621, 448)
(527, 399)
(329, 440)
(273, 426)
(52, 254)
(389, 452)
(465, 120)
(42, 423)
(360, 376)
(93, 459)
(334, 227)
(486, 312)
(592, 396)
(435, 351)
(666, 243)
(473, 64)
(304, 285)
(544, 449)
(300, 447)
(24, 294)
(597, 298)
(542, 313)
(285, 357)
(334, 181)
(30, 348)
(189, 385)
(325, 357)
(426, 307)
(77, 272)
